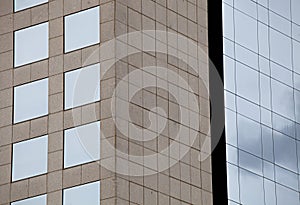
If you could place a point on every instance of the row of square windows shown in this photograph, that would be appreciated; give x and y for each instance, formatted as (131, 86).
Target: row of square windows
(32, 44)
(81, 145)
(78, 195)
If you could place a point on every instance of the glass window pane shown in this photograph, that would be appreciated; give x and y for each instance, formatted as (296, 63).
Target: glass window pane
(25, 107)
(250, 162)
(228, 47)
(280, 49)
(228, 28)
(295, 11)
(252, 191)
(245, 30)
(82, 86)
(266, 117)
(269, 170)
(282, 99)
(82, 29)
(233, 182)
(30, 158)
(263, 39)
(246, 56)
(280, 23)
(246, 6)
(247, 82)
(82, 144)
(267, 141)
(286, 196)
(263, 14)
(249, 136)
(265, 91)
(31, 44)
(296, 59)
(230, 101)
(248, 109)
(280, 8)
(285, 151)
(296, 31)
(230, 127)
(270, 197)
(38, 200)
(232, 154)
(229, 74)
(297, 107)
(283, 125)
(281, 74)
(24, 4)
(286, 177)
(84, 194)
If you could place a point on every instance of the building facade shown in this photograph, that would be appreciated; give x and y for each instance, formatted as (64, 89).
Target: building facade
(261, 41)
(65, 134)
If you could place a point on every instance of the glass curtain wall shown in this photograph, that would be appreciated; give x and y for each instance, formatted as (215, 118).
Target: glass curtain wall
(261, 41)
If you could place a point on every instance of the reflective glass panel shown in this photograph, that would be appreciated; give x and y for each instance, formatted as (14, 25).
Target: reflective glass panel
(245, 30)
(263, 39)
(229, 67)
(247, 82)
(82, 144)
(233, 182)
(85, 194)
(24, 4)
(280, 23)
(280, 8)
(31, 44)
(286, 196)
(281, 74)
(82, 86)
(82, 29)
(30, 100)
(250, 162)
(38, 200)
(286, 177)
(296, 59)
(282, 99)
(285, 151)
(246, 6)
(267, 141)
(270, 197)
(295, 11)
(30, 158)
(228, 21)
(280, 48)
(249, 136)
(251, 188)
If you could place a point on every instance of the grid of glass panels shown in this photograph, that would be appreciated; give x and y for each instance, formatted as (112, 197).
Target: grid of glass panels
(261, 40)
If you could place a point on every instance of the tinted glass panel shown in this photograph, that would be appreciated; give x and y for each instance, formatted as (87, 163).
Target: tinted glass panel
(280, 8)
(39, 200)
(82, 86)
(247, 82)
(82, 29)
(282, 99)
(280, 48)
(31, 44)
(249, 135)
(285, 151)
(251, 188)
(26, 107)
(286, 196)
(245, 31)
(24, 4)
(84, 194)
(233, 182)
(82, 144)
(30, 158)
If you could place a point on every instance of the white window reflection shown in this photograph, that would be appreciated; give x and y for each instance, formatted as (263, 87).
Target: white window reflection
(24, 4)
(30, 158)
(38, 200)
(31, 44)
(82, 29)
(82, 86)
(82, 144)
(30, 100)
(85, 194)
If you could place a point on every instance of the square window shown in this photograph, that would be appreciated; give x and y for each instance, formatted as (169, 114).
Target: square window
(82, 29)
(24, 4)
(82, 86)
(30, 158)
(82, 144)
(84, 194)
(38, 200)
(31, 100)
(31, 44)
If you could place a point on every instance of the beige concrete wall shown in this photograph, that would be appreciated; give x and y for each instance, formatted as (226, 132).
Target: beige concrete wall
(187, 182)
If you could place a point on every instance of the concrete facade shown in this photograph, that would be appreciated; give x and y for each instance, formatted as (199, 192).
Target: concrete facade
(187, 182)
